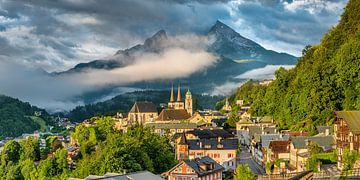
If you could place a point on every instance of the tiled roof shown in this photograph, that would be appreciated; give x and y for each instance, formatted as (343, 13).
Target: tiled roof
(212, 144)
(322, 129)
(172, 125)
(210, 133)
(143, 107)
(323, 141)
(291, 134)
(173, 114)
(270, 130)
(183, 139)
(245, 121)
(352, 118)
(279, 146)
(254, 130)
(267, 138)
(196, 164)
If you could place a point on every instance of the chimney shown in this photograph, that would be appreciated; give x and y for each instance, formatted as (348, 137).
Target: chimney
(327, 132)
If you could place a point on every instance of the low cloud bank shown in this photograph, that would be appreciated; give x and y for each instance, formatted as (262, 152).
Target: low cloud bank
(267, 72)
(60, 92)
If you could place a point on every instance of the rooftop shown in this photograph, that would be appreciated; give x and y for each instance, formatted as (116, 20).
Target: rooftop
(279, 146)
(172, 125)
(173, 114)
(228, 144)
(352, 118)
(267, 138)
(325, 142)
(143, 107)
(198, 165)
(210, 133)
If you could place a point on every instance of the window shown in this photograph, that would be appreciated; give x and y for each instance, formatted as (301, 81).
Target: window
(229, 155)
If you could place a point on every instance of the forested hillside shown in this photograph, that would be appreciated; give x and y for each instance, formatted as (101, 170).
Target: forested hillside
(123, 103)
(15, 117)
(325, 79)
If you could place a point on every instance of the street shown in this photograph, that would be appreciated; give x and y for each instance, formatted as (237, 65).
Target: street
(246, 158)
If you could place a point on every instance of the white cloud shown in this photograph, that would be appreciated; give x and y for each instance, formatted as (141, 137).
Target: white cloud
(314, 6)
(266, 72)
(181, 59)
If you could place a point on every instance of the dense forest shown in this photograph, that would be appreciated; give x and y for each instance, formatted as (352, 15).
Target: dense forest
(123, 103)
(15, 117)
(325, 79)
(102, 150)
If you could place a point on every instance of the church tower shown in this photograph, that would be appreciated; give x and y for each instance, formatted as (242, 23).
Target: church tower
(171, 103)
(179, 104)
(182, 148)
(189, 103)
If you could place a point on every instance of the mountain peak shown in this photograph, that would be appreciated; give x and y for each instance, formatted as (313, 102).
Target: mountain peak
(157, 38)
(220, 27)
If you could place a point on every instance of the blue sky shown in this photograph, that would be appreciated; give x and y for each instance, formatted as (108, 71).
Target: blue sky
(56, 35)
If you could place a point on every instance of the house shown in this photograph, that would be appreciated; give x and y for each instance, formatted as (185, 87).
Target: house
(347, 132)
(299, 149)
(279, 149)
(223, 151)
(171, 128)
(260, 146)
(143, 112)
(203, 168)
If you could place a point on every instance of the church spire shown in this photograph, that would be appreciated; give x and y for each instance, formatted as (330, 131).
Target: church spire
(172, 93)
(179, 94)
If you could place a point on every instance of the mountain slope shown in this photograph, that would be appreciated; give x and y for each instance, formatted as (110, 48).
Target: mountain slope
(125, 57)
(326, 79)
(16, 117)
(232, 45)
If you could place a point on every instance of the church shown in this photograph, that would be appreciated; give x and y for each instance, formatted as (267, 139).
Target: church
(177, 110)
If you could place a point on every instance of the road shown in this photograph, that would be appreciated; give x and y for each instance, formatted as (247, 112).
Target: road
(246, 158)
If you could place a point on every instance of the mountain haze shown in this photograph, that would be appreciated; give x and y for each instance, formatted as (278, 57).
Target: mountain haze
(228, 45)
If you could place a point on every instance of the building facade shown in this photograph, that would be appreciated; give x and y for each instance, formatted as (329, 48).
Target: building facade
(203, 168)
(347, 132)
(142, 112)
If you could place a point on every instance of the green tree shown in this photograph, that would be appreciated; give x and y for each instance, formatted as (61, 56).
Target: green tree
(243, 172)
(314, 148)
(348, 159)
(11, 152)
